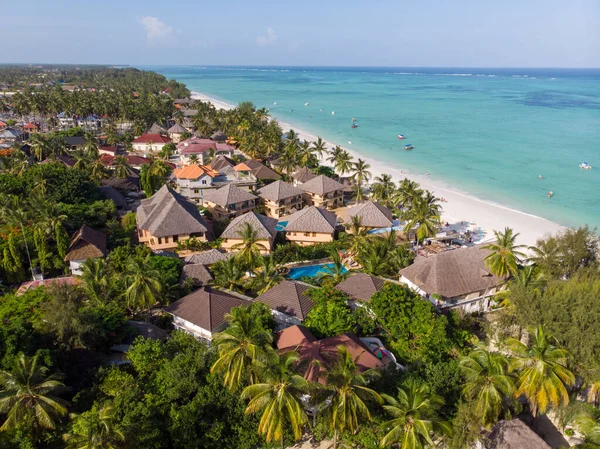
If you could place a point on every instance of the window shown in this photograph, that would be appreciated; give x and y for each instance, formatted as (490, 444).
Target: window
(307, 234)
(204, 181)
(141, 233)
(314, 234)
(196, 190)
(175, 238)
(160, 240)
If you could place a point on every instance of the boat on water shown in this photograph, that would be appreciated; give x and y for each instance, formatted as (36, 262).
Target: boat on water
(354, 125)
(408, 146)
(305, 104)
(401, 136)
(585, 166)
(332, 112)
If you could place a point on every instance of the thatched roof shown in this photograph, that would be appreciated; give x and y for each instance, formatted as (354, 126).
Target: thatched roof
(303, 175)
(176, 129)
(321, 185)
(361, 286)
(156, 129)
(279, 190)
(207, 257)
(289, 297)
(264, 226)
(129, 184)
(312, 219)
(198, 272)
(513, 434)
(229, 194)
(373, 215)
(86, 243)
(452, 273)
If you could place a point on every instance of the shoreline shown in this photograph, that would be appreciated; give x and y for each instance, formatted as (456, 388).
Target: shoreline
(461, 210)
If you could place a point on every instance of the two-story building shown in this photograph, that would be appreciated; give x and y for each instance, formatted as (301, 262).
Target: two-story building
(265, 228)
(201, 148)
(150, 143)
(254, 170)
(176, 132)
(87, 243)
(229, 201)
(372, 215)
(323, 192)
(303, 175)
(281, 199)
(167, 218)
(193, 180)
(311, 226)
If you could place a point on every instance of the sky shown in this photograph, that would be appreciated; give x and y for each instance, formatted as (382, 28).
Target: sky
(389, 33)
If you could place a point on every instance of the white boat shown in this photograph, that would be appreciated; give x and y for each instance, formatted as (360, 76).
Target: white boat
(305, 104)
(332, 112)
(585, 166)
(408, 146)
(274, 103)
(401, 136)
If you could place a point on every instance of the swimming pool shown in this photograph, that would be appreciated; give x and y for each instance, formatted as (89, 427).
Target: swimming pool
(281, 225)
(309, 271)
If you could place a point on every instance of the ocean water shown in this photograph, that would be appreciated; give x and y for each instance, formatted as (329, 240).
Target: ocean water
(485, 132)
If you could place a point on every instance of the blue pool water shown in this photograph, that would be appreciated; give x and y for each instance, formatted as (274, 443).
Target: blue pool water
(281, 226)
(309, 271)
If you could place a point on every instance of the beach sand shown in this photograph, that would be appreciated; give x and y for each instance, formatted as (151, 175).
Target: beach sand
(461, 211)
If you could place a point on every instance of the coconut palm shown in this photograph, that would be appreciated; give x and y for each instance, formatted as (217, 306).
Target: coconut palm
(288, 160)
(38, 146)
(414, 423)
(306, 155)
(406, 193)
(543, 376)
(342, 161)
(383, 189)
(588, 426)
(277, 395)
(359, 233)
(144, 288)
(319, 147)
(505, 256)
(267, 275)
(334, 273)
(423, 217)
(121, 167)
(348, 407)
(243, 350)
(96, 280)
(95, 429)
(250, 247)
(228, 274)
(194, 159)
(488, 383)
(361, 173)
(28, 395)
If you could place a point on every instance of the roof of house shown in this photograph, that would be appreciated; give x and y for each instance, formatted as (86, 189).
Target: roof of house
(195, 145)
(60, 159)
(513, 434)
(152, 138)
(205, 307)
(207, 257)
(132, 159)
(321, 185)
(114, 195)
(10, 133)
(86, 243)
(226, 195)
(289, 297)
(264, 226)
(31, 125)
(373, 215)
(452, 273)
(198, 272)
(263, 172)
(361, 286)
(317, 355)
(279, 190)
(303, 175)
(156, 129)
(130, 183)
(219, 162)
(168, 213)
(176, 129)
(30, 285)
(194, 171)
(74, 141)
(312, 219)
(108, 148)
(241, 167)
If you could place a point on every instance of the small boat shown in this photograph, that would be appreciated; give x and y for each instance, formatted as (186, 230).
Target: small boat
(305, 104)
(550, 194)
(585, 166)
(540, 177)
(353, 119)
(408, 146)
(274, 103)
(349, 142)
(354, 125)
(332, 112)
(401, 136)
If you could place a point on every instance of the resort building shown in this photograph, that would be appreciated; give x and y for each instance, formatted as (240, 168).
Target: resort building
(156, 129)
(167, 218)
(229, 201)
(207, 258)
(454, 278)
(303, 175)
(201, 148)
(176, 132)
(361, 286)
(513, 434)
(192, 181)
(87, 243)
(265, 227)
(289, 301)
(281, 199)
(324, 192)
(254, 170)
(202, 313)
(150, 143)
(311, 226)
(372, 215)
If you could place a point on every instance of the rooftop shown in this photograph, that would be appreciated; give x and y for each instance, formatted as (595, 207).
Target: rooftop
(312, 219)
(373, 215)
(207, 257)
(279, 190)
(303, 175)
(264, 226)
(194, 171)
(321, 185)
(229, 194)
(361, 286)
(86, 243)
(152, 138)
(289, 297)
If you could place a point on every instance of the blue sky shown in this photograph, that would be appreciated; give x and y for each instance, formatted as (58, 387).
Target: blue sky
(442, 33)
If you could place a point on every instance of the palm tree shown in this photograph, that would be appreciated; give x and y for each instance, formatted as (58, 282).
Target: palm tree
(407, 192)
(96, 429)
(361, 173)
(335, 273)
(414, 422)
(423, 217)
(38, 146)
(278, 397)
(243, 351)
(542, 373)
(228, 274)
(121, 167)
(349, 394)
(194, 159)
(488, 383)
(96, 280)
(505, 255)
(342, 161)
(306, 155)
(588, 426)
(383, 189)
(250, 247)
(319, 147)
(267, 276)
(143, 284)
(28, 395)
(359, 233)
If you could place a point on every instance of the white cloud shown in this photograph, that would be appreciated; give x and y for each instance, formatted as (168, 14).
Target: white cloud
(268, 39)
(156, 30)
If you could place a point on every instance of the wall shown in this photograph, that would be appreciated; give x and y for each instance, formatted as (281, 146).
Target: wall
(304, 240)
(180, 323)
(229, 243)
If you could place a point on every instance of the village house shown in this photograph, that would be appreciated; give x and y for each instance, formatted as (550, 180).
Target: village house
(265, 228)
(11, 135)
(324, 192)
(311, 226)
(65, 120)
(87, 243)
(361, 286)
(201, 148)
(454, 278)
(202, 313)
(229, 201)
(303, 175)
(74, 142)
(281, 199)
(224, 166)
(372, 215)
(176, 132)
(32, 127)
(167, 218)
(107, 149)
(156, 129)
(254, 170)
(289, 301)
(192, 181)
(150, 143)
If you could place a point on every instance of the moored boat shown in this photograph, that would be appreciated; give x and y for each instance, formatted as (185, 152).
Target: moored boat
(401, 136)
(408, 146)
(585, 166)
(354, 125)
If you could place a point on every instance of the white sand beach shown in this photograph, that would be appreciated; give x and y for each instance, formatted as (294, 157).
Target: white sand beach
(461, 211)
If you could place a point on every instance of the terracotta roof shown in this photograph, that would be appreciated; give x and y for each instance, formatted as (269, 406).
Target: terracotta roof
(195, 145)
(153, 138)
(321, 185)
(198, 272)
(264, 226)
(303, 175)
(132, 159)
(205, 307)
(312, 219)
(452, 273)
(168, 213)
(513, 434)
(30, 285)
(194, 171)
(241, 167)
(86, 243)
(289, 297)
(31, 125)
(361, 286)
(317, 355)
(108, 148)
(156, 129)
(373, 215)
(279, 190)
(227, 195)
(207, 257)
(219, 162)
(176, 129)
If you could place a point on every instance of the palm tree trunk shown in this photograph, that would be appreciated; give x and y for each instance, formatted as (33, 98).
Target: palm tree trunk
(335, 438)
(282, 442)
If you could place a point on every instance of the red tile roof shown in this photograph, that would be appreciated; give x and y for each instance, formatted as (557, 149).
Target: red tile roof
(152, 138)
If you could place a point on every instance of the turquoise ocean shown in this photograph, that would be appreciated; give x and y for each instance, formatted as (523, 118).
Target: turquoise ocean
(485, 132)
